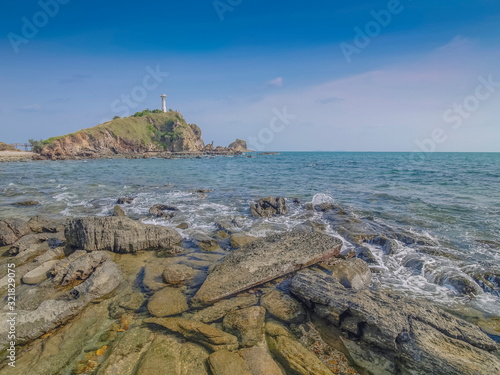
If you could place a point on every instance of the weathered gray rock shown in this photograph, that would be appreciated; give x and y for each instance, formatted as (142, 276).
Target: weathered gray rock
(247, 324)
(118, 234)
(42, 224)
(411, 337)
(167, 302)
(209, 336)
(352, 273)
(283, 307)
(267, 207)
(125, 200)
(26, 203)
(177, 274)
(291, 354)
(39, 274)
(78, 267)
(265, 260)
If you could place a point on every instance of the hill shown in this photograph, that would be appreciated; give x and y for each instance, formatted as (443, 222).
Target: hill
(146, 131)
(6, 147)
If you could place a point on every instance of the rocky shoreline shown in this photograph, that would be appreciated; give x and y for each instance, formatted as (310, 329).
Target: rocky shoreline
(111, 295)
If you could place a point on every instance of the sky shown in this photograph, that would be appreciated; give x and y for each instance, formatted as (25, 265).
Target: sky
(398, 75)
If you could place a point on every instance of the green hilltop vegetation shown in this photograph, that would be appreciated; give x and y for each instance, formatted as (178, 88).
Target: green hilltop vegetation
(148, 127)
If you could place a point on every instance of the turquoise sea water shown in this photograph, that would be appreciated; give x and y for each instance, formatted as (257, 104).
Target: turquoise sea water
(453, 199)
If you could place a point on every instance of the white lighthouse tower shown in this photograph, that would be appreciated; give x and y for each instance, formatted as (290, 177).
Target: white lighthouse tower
(163, 102)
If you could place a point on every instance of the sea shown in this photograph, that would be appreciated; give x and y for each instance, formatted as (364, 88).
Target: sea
(450, 199)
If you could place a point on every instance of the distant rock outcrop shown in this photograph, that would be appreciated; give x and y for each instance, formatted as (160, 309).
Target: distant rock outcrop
(239, 145)
(6, 147)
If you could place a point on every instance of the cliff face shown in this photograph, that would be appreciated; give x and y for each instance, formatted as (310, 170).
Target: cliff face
(150, 132)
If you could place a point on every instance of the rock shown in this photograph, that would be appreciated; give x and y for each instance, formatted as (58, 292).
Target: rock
(247, 324)
(209, 336)
(205, 242)
(167, 302)
(224, 362)
(126, 352)
(239, 145)
(393, 334)
(283, 307)
(221, 308)
(152, 279)
(456, 279)
(223, 235)
(265, 260)
(118, 234)
(365, 254)
(77, 267)
(240, 239)
(174, 250)
(125, 200)
(39, 274)
(352, 273)
(270, 206)
(52, 313)
(177, 274)
(40, 224)
(260, 361)
(163, 210)
(26, 203)
(168, 356)
(118, 211)
(183, 226)
(291, 354)
(11, 230)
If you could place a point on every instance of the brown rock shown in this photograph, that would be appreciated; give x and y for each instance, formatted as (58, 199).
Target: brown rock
(224, 362)
(247, 324)
(167, 302)
(283, 307)
(177, 274)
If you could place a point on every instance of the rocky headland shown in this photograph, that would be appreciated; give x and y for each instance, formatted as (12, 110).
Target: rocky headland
(112, 295)
(147, 134)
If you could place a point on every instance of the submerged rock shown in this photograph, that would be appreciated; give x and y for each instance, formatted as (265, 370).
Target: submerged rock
(260, 361)
(240, 239)
(167, 301)
(267, 207)
(247, 324)
(39, 274)
(221, 308)
(265, 260)
(163, 210)
(283, 307)
(118, 234)
(352, 273)
(390, 334)
(177, 274)
(291, 354)
(207, 335)
(224, 362)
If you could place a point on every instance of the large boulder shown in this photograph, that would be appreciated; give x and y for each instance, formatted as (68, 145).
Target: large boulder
(239, 145)
(118, 234)
(11, 230)
(391, 334)
(267, 207)
(265, 260)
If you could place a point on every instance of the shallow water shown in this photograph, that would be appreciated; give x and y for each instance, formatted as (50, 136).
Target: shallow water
(450, 198)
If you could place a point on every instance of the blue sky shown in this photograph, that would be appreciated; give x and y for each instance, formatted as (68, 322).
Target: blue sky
(425, 75)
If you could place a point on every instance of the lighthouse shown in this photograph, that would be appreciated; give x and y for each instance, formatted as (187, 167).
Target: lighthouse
(163, 102)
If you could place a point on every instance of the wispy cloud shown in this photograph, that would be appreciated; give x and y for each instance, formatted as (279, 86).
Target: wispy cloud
(332, 99)
(276, 82)
(31, 108)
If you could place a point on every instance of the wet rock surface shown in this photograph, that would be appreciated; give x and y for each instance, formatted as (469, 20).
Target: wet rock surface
(270, 206)
(265, 260)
